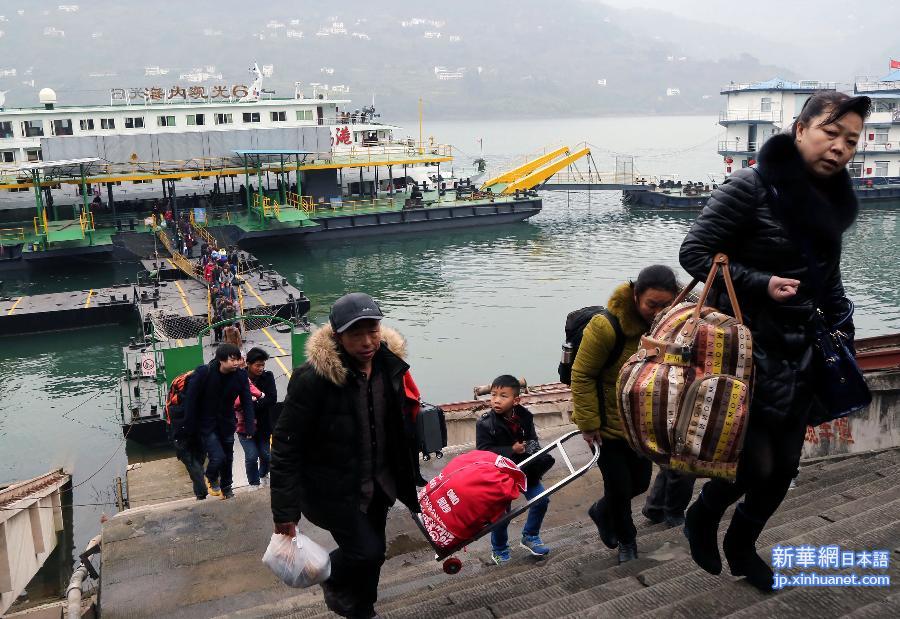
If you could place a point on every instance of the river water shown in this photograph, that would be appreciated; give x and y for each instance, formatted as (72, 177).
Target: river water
(472, 303)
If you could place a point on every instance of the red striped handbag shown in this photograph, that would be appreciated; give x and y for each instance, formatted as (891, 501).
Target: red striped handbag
(684, 396)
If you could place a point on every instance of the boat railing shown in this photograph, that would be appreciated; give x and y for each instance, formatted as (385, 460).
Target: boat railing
(880, 147)
(384, 150)
(303, 203)
(12, 234)
(86, 220)
(774, 115)
(736, 146)
(593, 177)
(875, 85)
(780, 85)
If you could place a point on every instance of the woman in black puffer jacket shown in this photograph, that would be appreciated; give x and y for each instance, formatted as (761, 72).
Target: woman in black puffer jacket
(781, 225)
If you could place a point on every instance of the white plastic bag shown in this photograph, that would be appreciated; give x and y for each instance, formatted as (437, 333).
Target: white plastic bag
(298, 562)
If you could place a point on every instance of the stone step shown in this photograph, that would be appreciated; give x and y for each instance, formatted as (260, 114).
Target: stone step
(575, 603)
(581, 562)
(686, 578)
(889, 607)
(735, 595)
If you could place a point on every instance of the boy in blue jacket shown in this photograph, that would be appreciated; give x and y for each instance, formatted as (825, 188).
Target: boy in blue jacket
(508, 430)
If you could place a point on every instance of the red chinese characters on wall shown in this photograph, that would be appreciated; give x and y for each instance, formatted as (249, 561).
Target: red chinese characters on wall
(837, 430)
(342, 136)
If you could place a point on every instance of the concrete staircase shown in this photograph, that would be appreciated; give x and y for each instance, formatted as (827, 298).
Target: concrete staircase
(202, 559)
(854, 503)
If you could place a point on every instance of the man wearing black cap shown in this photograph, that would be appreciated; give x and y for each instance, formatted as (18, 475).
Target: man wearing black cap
(340, 456)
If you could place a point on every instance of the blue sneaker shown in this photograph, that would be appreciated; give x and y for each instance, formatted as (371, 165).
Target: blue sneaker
(501, 557)
(534, 545)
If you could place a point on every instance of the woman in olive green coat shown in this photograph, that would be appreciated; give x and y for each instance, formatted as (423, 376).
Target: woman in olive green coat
(625, 473)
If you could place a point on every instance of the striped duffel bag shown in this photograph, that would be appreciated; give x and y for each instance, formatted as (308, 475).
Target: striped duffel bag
(684, 396)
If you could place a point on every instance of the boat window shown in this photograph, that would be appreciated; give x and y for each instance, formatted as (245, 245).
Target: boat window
(223, 119)
(165, 121)
(34, 154)
(855, 169)
(62, 127)
(251, 117)
(279, 117)
(33, 128)
(7, 156)
(881, 135)
(304, 114)
(134, 122)
(195, 119)
(881, 168)
(107, 123)
(87, 124)
(6, 130)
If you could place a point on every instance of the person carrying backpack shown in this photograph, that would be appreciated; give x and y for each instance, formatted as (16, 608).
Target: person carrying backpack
(188, 449)
(210, 418)
(603, 350)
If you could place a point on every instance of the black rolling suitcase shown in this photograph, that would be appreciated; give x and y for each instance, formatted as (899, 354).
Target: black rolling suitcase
(431, 431)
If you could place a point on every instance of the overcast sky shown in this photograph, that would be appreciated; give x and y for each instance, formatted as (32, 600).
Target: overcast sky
(824, 39)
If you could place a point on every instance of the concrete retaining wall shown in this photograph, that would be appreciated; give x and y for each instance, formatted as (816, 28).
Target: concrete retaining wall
(876, 427)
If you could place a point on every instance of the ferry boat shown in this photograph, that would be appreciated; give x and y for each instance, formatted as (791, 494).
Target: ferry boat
(76, 181)
(756, 111)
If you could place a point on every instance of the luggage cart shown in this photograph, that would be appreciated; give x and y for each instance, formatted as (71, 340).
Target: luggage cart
(452, 564)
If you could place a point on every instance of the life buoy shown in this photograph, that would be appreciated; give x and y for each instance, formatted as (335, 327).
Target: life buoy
(729, 160)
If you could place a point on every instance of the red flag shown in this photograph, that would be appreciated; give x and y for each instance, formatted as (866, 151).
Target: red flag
(895, 64)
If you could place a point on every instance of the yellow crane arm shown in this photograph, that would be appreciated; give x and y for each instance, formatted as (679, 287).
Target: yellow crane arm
(539, 176)
(522, 170)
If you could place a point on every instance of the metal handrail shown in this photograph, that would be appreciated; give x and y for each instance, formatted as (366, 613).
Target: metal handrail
(12, 234)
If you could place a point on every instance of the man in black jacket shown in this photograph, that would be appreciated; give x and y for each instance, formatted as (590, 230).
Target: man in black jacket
(209, 414)
(339, 453)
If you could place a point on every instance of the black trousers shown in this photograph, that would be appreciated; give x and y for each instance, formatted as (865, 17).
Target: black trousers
(191, 454)
(625, 476)
(670, 494)
(356, 562)
(769, 460)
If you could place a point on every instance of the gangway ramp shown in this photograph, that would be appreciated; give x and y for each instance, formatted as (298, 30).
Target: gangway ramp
(524, 169)
(541, 174)
(532, 173)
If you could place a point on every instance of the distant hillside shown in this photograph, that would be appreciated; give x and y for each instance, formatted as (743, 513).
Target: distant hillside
(465, 59)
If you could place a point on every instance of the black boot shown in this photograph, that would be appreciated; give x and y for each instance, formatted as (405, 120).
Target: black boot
(701, 528)
(338, 601)
(627, 551)
(599, 513)
(740, 550)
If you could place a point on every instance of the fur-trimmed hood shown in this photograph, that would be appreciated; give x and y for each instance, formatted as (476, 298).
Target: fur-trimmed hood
(824, 208)
(621, 303)
(326, 360)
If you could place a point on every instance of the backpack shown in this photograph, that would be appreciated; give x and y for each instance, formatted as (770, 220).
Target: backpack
(684, 396)
(473, 491)
(175, 400)
(576, 322)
